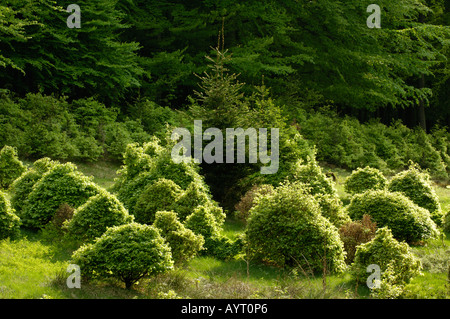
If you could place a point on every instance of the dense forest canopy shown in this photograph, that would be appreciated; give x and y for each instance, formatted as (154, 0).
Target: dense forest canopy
(309, 52)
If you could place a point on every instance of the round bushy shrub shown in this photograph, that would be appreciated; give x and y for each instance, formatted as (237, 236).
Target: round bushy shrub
(407, 221)
(127, 252)
(287, 228)
(331, 207)
(415, 185)
(61, 184)
(363, 179)
(184, 243)
(204, 221)
(23, 185)
(386, 252)
(158, 196)
(10, 166)
(9, 221)
(311, 174)
(101, 211)
(195, 195)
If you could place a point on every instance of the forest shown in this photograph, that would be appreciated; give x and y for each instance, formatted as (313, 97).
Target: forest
(342, 191)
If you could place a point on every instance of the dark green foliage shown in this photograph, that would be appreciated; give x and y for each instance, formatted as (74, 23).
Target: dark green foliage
(9, 221)
(446, 223)
(386, 252)
(407, 221)
(158, 196)
(61, 184)
(23, 185)
(415, 184)
(184, 243)
(286, 227)
(127, 252)
(10, 166)
(91, 219)
(363, 179)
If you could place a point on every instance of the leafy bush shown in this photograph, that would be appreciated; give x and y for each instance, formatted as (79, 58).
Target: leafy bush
(101, 211)
(204, 221)
(159, 196)
(407, 221)
(195, 195)
(363, 179)
(61, 184)
(311, 175)
(23, 185)
(127, 252)
(10, 166)
(415, 184)
(286, 227)
(355, 233)
(184, 243)
(9, 221)
(446, 223)
(331, 207)
(386, 252)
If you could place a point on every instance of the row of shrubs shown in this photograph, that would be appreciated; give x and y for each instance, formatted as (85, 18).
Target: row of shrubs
(300, 223)
(348, 143)
(80, 130)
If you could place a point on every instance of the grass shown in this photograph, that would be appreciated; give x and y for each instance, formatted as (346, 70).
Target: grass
(33, 266)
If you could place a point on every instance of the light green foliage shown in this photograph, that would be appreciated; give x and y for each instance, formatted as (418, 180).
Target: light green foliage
(407, 221)
(395, 259)
(10, 166)
(286, 227)
(23, 185)
(63, 183)
(101, 211)
(363, 179)
(127, 252)
(184, 243)
(312, 176)
(195, 195)
(415, 184)
(331, 207)
(159, 196)
(9, 221)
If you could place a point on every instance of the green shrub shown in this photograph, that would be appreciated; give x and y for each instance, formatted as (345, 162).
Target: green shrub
(10, 166)
(61, 184)
(101, 211)
(204, 221)
(286, 227)
(446, 222)
(159, 196)
(407, 221)
(415, 185)
(127, 252)
(331, 207)
(195, 195)
(23, 185)
(311, 175)
(355, 233)
(9, 221)
(184, 243)
(363, 179)
(386, 252)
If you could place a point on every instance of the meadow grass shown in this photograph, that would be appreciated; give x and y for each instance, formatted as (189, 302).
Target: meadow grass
(33, 266)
